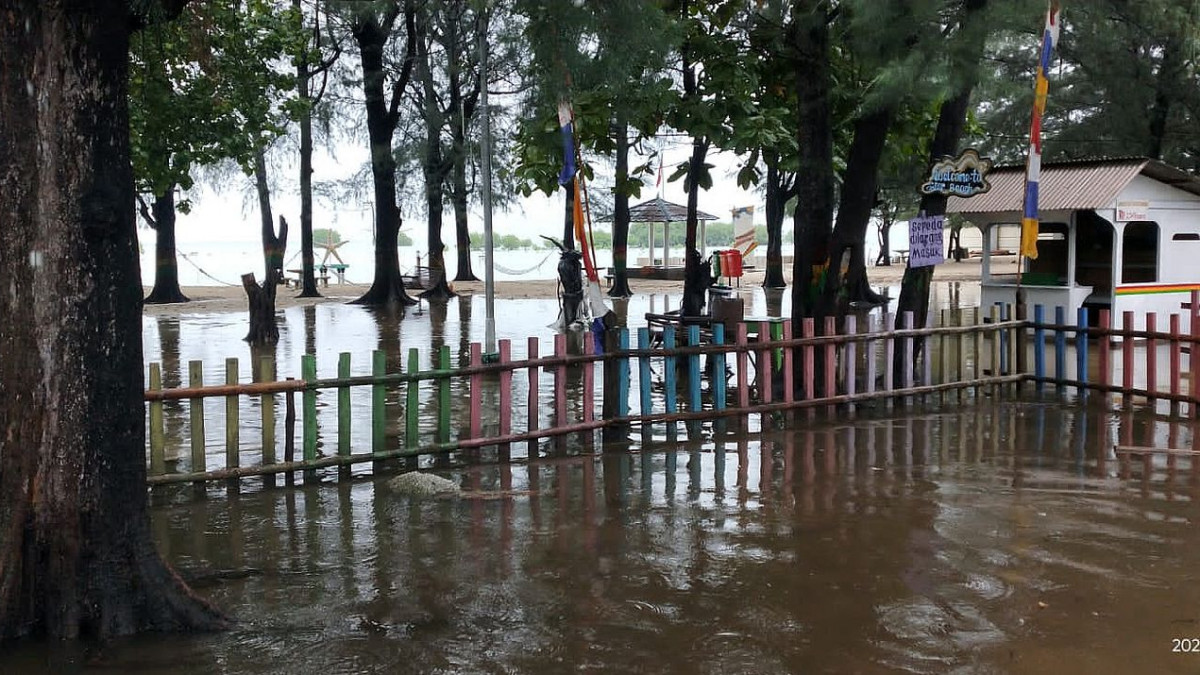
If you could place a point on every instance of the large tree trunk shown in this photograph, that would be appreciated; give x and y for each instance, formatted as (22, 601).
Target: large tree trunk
(166, 265)
(388, 286)
(620, 240)
(779, 190)
(952, 121)
(435, 167)
(459, 197)
(308, 281)
(847, 280)
(76, 552)
(696, 280)
(815, 177)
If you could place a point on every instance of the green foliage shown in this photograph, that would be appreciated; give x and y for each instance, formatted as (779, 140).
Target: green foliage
(325, 236)
(203, 88)
(402, 239)
(503, 242)
(716, 234)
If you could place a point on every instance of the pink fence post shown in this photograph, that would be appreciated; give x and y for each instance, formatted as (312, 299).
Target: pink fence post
(476, 425)
(830, 360)
(851, 359)
(505, 349)
(788, 394)
(1151, 356)
(743, 367)
(1176, 358)
(589, 380)
(908, 357)
(532, 356)
(889, 357)
(560, 381)
(808, 329)
(1194, 359)
(872, 355)
(1127, 358)
(764, 362)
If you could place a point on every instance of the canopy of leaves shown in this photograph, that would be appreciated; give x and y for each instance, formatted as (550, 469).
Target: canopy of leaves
(205, 88)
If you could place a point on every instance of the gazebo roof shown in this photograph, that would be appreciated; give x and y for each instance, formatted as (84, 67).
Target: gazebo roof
(659, 210)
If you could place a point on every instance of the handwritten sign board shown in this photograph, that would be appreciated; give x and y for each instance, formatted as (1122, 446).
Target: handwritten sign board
(962, 176)
(926, 241)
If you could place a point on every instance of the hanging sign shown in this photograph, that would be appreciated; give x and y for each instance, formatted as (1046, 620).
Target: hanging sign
(926, 238)
(962, 176)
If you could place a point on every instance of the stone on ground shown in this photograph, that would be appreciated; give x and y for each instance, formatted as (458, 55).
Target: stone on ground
(419, 484)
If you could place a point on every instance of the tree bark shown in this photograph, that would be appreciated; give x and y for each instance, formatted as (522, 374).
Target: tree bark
(387, 288)
(166, 264)
(847, 281)
(952, 121)
(274, 245)
(779, 190)
(308, 281)
(77, 556)
(620, 285)
(462, 109)
(264, 331)
(435, 169)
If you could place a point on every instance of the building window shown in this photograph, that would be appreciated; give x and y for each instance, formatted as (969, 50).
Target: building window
(1186, 236)
(1139, 257)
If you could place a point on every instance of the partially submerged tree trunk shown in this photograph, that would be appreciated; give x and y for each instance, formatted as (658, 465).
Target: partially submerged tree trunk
(308, 281)
(695, 280)
(264, 331)
(274, 245)
(435, 169)
(952, 121)
(382, 115)
(461, 109)
(620, 240)
(847, 280)
(77, 556)
(166, 264)
(780, 188)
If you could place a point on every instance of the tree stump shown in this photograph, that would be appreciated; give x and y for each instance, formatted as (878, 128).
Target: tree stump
(263, 329)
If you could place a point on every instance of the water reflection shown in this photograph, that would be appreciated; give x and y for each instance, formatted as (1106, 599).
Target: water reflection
(993, 538)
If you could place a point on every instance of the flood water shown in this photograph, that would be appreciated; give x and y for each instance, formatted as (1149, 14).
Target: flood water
(999, 537)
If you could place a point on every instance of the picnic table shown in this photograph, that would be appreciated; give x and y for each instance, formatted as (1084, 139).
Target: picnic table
(297, 278)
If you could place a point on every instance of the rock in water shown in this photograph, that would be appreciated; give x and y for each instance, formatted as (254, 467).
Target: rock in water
(420, 484)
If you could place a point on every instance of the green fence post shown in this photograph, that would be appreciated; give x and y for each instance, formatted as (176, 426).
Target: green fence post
(308, 371)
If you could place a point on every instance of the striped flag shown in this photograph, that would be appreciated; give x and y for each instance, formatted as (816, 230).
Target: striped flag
(1033, 165)
(567, 124)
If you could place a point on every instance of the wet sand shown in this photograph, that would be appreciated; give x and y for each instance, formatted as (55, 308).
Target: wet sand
(233, 298)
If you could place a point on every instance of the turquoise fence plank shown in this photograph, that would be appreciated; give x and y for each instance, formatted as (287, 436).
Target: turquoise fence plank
(669, 371)
(623, 373)
(644, 371)
(693, 340)
(718, 383)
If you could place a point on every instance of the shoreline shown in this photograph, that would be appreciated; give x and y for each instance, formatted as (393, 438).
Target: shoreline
(217, 299)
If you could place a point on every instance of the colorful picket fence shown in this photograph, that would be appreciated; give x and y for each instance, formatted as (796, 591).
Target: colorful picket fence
(655, 381)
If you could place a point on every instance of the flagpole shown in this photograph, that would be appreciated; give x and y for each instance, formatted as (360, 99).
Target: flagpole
(485, 168)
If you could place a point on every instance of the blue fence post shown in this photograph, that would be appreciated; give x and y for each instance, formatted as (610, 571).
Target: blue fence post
(1060, 346)
(669, 394)
(693, 340)
(644, 371)
(718, 382)
(1039, 348)
(623, 373)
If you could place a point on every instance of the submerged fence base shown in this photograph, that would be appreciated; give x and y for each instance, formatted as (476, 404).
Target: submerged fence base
(838, 368)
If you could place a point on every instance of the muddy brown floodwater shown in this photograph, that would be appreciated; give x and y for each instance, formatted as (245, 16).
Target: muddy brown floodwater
(996, 538)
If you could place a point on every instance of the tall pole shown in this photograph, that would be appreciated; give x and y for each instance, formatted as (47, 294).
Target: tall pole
(485, 163)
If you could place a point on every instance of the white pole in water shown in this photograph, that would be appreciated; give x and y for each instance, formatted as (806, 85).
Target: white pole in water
(485, 152)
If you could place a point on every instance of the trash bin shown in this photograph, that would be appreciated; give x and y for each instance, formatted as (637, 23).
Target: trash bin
(726, 307)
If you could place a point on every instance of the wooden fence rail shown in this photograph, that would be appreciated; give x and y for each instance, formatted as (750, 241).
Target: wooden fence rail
(669, 377)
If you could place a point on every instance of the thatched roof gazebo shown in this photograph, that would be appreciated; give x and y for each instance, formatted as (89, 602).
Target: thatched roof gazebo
(659, 210)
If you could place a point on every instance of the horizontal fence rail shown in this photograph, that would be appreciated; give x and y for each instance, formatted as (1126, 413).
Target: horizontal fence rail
(655, 379)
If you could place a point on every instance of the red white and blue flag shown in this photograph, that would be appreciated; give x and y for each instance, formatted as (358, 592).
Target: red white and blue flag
(1033, 165)
(567, 124)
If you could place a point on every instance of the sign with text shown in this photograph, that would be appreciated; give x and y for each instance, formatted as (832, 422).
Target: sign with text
(1132, 211)
(926, 237)
(962, 176)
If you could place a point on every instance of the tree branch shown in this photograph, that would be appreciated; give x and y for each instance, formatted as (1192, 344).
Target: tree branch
(144, 209)
(410, 56)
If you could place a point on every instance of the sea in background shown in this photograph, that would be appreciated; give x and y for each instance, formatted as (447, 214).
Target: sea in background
(217, 263)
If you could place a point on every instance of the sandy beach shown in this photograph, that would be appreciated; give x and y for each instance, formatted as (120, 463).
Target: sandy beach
(233, 298)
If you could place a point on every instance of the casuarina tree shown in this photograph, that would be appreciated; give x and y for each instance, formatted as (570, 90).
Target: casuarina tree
(76, 552)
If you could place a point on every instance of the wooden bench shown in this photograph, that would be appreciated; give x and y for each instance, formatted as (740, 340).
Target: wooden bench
(297, 279)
